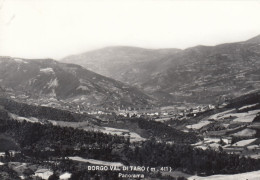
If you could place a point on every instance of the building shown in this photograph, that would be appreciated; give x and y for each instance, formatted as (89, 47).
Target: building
(43, 173)
(65, 176)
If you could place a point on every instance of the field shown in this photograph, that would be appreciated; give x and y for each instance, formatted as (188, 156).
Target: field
(242, 176)
(238, 117)
(19, 118)
(198, 125)
(245, 133)
(96, 162)
(122, 132)
(245, 142)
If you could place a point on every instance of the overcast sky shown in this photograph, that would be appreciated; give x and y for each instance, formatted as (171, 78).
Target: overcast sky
(57, 28)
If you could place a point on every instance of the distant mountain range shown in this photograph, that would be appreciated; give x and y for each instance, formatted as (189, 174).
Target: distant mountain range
(201, 74)
(51, 79)
(116, 61)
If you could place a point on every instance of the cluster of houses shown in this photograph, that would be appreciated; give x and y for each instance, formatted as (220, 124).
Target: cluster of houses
(122, 111)
(156, 113)
(24, 171)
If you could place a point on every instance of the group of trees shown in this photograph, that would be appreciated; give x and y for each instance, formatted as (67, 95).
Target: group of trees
(33, 139)
(46, 135)
(165, 132)
(41, 112)
(247, 99)
(191, 160)
(7, 173)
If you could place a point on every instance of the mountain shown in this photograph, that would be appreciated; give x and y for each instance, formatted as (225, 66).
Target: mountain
(201, 74)
(118, 62)
(255, 39)
(49, 79)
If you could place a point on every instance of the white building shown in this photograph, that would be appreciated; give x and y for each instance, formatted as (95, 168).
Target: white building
(43, 173)
(65, 176)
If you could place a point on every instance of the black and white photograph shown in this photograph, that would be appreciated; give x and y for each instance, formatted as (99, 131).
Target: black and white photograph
(130, 90)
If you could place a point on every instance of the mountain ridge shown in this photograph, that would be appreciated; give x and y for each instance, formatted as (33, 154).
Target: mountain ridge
(52, 79)
(255, 39)
(187, 74)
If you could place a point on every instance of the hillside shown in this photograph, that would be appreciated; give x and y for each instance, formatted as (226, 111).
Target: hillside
(44, 79)
(233, 128)
(10, 108)
(38, 143)
(201, 74)
(118, 62)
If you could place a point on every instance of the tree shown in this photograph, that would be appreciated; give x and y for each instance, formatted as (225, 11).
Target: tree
(221, 142)
(28, 173)
(54, 177)
(220, 148)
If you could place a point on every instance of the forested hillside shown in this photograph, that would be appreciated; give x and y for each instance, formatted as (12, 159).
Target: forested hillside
(46, 113)
(46, 141)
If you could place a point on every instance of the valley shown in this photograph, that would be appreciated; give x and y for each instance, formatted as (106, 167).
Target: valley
(186, 114)
(231, 130)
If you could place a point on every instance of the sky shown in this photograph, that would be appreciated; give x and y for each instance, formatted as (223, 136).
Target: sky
(58, 28)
